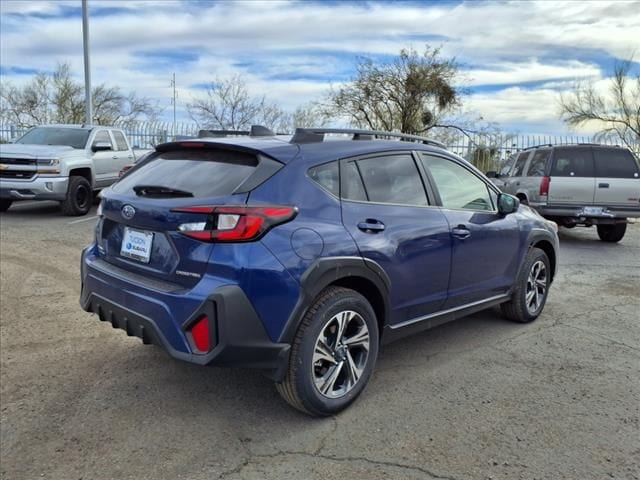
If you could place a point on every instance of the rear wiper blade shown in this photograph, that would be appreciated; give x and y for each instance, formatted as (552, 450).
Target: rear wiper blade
(160, 191)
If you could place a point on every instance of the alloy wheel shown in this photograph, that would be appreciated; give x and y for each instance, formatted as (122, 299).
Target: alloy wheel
(536, 287)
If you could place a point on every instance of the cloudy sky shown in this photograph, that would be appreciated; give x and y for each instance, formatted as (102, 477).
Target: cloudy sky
(516, 57)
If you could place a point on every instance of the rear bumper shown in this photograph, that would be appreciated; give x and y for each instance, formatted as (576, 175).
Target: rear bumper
(37, 188)
(609, 214)
(161, 318)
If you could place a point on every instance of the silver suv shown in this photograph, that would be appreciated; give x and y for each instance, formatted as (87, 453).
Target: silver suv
(576, 185)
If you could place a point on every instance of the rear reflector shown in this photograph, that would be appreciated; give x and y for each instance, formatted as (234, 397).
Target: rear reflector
(544, 186)
(201, 335)
(234, 223)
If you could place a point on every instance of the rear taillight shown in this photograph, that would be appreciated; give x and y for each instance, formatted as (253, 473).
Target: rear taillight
(233, 223)
(201, 335)
(544, 186)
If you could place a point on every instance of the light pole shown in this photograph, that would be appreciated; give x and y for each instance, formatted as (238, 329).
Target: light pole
(87, 68)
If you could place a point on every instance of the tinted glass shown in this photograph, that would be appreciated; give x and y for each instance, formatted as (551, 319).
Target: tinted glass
(615, 163)
(75, 138)
(538, 163)
(458, 187)
(520, 163)
(327, 176)
(572, 162)
(392, 179)
(121, 143)
(203, 173)
(102, 136)
(506, 168)
(352, 187)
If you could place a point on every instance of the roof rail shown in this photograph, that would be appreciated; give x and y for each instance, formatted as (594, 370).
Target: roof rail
(538, 146)
(316, 135)
(570, 145)
(256, 131)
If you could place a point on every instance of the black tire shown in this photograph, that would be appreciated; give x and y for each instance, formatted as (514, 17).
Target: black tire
(612, 233)
(519, 308)
(299, 385)
(5, 203)
(79, 197)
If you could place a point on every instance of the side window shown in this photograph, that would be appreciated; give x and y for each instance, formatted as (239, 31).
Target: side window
(572, 162)
(506, 168)
(121, 142)
(538, 164)
(102, 136)
(352, 186)
(615, 163)
(458, 187)
(392, 179)
(520, 163)
(327, 176)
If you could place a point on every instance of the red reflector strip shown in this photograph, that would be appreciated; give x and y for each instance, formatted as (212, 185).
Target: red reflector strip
(192, 144)
(200, 334)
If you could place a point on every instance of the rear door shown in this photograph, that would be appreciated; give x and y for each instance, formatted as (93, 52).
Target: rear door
(104, 161)
(536, 170)
(512, 183)
(572, 176)
(123, 154)
(617, 177)
(387, 211)
(139, 232)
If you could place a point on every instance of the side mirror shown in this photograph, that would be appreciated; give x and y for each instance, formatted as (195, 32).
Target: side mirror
(492, 174)
(507, 203)
(100, 146)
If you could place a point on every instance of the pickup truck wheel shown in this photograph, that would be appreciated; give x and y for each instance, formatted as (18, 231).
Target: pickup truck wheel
(333, 353)
(531, 288)
(612, 233)
(79, 197)
(5, 204)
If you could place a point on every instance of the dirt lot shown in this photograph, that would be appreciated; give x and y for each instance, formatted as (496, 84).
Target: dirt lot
(477, 399)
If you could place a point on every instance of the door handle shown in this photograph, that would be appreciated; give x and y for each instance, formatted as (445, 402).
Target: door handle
(115, 157)
(461, 232)
(603, 185)
(371, 226)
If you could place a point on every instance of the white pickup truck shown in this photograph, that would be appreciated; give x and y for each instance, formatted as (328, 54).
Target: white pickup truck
(67, 163)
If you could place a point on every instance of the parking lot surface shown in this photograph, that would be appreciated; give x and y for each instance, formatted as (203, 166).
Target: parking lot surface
(480, 398)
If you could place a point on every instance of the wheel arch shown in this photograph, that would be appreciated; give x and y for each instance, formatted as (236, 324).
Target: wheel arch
(547, 246)
(84, 172)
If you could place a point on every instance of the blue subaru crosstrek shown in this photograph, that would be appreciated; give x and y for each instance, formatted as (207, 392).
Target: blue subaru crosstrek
(302, 255)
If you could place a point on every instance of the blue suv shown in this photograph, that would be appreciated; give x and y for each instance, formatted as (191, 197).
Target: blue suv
(302, 255)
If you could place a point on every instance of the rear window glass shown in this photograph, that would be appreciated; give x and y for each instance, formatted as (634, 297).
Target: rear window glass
(538, 164)
(572, 162)
(204, 173)
(520, 163)
(327, 176)
(615, 163)
(121, 143)
(352, 187)
(392, 179)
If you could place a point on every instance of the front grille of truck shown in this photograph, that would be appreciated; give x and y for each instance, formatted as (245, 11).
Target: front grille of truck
(18, 161)
(16, 174)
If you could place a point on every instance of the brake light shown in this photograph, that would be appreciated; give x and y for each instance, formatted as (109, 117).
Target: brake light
(544, 186)
(234, 223)
(200, 334)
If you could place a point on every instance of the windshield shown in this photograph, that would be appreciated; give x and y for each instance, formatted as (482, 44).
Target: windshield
(72, 137)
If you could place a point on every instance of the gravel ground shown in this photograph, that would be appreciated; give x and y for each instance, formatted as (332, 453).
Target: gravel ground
(480, 398)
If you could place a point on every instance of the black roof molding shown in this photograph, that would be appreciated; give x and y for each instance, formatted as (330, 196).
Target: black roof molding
(316, 135)
(256, 131)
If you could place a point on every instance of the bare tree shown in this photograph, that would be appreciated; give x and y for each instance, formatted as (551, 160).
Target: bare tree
(408, 94)
(58, 98)
(616, 114)
(309, 115)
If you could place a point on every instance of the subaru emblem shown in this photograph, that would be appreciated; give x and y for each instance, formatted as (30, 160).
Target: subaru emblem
(128, 212)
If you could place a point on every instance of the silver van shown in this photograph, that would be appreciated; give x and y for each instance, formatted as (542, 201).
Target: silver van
(574, 185)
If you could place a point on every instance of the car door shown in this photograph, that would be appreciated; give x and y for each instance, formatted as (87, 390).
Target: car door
(123, 154)
(104, 161)
(485, 244)
(386, 210)
(512, 183)
(572, 176)
(617, 177)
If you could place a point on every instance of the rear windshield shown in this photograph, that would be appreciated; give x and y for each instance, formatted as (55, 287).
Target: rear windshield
(71, 137)
(203, 173)
(572, 162)
(615, 163)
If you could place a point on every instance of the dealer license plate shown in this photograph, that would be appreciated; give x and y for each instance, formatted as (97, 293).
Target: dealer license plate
(136, 244)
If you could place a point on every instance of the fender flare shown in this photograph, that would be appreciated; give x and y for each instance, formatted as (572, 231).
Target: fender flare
(325, 271)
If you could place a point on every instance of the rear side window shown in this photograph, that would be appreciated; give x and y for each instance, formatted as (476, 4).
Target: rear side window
(352, 186)
(520, 163)
(572, 162)
(327, 175)
(203, 173)
(506, 168)
(615, 163)
(392, 179)
(121, 143)
(538, 163)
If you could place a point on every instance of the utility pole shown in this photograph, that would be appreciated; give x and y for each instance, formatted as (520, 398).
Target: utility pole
(87, 68)
(173, 84)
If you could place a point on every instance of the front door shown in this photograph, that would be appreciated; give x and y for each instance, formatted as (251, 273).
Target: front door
(386, 210)
(485, 244)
